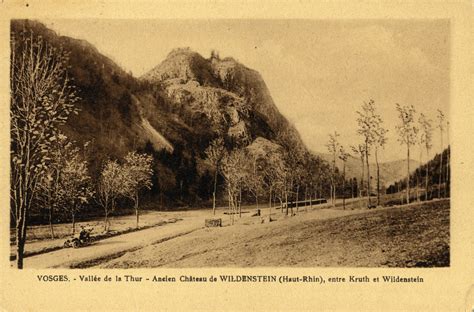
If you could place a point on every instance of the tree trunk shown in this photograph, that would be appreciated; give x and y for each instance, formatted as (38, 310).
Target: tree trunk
(297, 197)
(136, 209)
(305, 197)
(408, 173)
(344, 185)
(230, 209)
(20, 246)
(106, 220)
(352, 188)
(214, 193)
(73, 222)
(282, 195)
(240, 202)
(270, 205)
(418, 178)
(287, 203)
(361, 182)
(378, 176)
(440, 167)
(446, 189)
(368, 172)
(426, 174)
(333, 182)
(20, 240)
(330, 190)
(161, 199)
(448, 151)
(51, 228)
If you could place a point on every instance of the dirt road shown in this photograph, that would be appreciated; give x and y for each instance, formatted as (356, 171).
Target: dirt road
(112, 247)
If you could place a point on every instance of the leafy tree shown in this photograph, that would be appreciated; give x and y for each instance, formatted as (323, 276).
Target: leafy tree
(42, 98)
(66, 183)
(75, 185)
(49, 183)
(407, 132)
(138, 171)
(113, 184)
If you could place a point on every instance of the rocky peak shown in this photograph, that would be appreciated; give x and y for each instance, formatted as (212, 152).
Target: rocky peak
(181, 66)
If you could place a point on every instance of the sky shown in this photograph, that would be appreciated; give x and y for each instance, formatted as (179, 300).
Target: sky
(319, 72)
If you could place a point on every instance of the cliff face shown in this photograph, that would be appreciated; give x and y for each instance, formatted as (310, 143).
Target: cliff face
(172, 112)
(231, 97)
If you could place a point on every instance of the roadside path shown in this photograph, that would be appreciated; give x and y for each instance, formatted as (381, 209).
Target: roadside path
(112, 247)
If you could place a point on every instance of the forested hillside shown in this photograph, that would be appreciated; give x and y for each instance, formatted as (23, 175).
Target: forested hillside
(433, 177)
(173, 113)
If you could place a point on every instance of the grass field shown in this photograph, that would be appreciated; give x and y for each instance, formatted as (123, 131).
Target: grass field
(415, 235)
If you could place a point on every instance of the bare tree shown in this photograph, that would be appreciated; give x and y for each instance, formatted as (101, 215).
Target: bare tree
(441, 118)
(380, 141)
(407, 132)
(426, 137)
(333, 148)
(343, 155)
(138, 170)
(215, 153)
(448, 152)
(274, 177)
(360, 151)
(255, 175)
(42, 98)
(234, 172)
(368, 122)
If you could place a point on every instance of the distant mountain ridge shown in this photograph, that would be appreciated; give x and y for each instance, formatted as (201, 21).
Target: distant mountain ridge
(390, 171)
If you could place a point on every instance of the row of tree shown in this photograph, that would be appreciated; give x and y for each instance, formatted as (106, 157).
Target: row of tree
(411, 131)
(283, 173)
(374, 137)
(66, 186)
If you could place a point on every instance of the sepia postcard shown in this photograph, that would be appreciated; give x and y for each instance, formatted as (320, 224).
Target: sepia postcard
(229, 155)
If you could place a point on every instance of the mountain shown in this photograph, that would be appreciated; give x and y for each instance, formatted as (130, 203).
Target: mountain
(390, 171)
(171, 112)
(220, 92)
